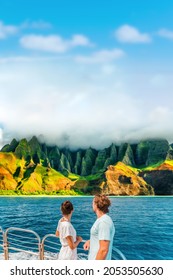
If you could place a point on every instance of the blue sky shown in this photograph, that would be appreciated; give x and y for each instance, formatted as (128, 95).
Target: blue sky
(86, 72)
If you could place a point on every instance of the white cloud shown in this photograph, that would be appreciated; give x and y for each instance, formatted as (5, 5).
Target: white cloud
(83, 105)
(7, 30)
(166, 33)
(40, 24)
(29, 59)
(130, 34)
(1, 136)
(63, 102)
(50, 43)
(102, 56)
(80, 40)
(53, 43)
(160, 114)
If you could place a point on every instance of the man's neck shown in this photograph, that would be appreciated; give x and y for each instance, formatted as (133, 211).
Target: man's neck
(99, 213)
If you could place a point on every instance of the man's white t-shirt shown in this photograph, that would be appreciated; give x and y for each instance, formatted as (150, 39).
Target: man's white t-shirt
(102, 229)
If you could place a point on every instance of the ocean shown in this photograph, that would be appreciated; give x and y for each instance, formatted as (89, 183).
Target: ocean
(144, 225)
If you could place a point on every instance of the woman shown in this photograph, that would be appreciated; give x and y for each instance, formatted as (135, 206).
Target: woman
(67, 234)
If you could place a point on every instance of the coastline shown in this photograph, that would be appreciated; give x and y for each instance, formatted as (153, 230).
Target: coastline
(112, 196)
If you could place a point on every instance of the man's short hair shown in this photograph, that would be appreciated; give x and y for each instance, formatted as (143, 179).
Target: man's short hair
(102, 202)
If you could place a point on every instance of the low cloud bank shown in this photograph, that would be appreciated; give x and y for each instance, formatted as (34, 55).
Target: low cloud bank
(83, 105)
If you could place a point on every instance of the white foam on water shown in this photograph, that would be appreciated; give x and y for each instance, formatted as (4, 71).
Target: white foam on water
(27, 256)
(19, 256)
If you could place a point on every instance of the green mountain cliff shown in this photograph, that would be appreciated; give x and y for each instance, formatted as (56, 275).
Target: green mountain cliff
(145, 168)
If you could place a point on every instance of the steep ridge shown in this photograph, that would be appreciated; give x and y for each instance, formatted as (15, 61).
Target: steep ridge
(128, 169)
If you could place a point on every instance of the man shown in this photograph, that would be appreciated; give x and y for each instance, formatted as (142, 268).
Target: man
(102, 231)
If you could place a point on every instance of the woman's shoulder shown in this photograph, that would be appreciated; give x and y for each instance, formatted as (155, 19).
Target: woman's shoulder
(64, 223)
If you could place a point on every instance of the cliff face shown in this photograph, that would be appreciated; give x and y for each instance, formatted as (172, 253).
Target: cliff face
(122, 180)
(91, 161)
(8, 167)
(17, 175)
(161, 178)
(7, 181)
(152, 151)
(32, 166)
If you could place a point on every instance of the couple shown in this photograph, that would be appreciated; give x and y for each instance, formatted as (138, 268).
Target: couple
(101, 234)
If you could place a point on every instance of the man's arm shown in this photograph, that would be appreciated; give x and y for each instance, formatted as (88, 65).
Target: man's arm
(103, 249)
(86, 246)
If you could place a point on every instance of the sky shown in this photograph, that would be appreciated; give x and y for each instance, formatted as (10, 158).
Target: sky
(86, 73)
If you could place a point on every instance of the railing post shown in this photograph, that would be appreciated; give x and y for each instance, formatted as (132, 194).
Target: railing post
(41, 251)
(5, 244)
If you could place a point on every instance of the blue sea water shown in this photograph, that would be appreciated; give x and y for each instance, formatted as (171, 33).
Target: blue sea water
(144, 225)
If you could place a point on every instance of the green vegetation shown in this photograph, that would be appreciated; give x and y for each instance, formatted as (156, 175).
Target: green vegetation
(170, 162)
(73, 176)
(152, 166)
(55, 193)
(29, 167)
(93, 177)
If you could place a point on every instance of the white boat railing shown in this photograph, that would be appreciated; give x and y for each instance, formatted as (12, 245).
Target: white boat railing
(1, 241)
(21, 240)
(28, 243)
(118, 253)
(50, 248)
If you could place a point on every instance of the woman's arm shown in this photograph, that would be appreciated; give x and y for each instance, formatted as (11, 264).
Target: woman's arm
(71, 242)
(57, 233)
